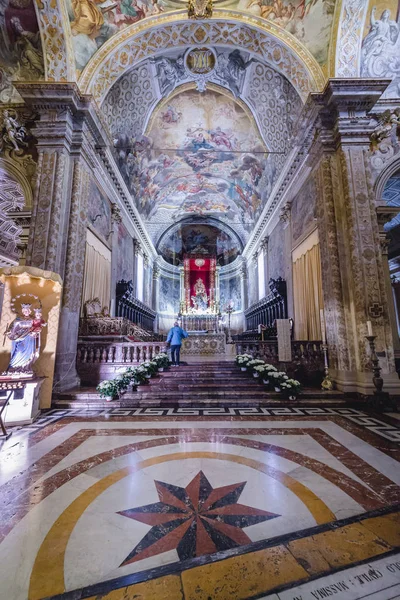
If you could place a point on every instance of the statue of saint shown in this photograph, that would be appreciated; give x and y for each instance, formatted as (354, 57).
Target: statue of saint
(24, 333)
(200, 299)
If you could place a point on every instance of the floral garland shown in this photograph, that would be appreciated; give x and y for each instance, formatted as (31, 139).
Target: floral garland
(278, 380)
(111, 388)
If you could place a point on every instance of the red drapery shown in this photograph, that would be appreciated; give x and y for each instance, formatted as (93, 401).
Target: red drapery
(199, 268)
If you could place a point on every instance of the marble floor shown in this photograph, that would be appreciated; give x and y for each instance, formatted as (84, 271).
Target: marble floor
(201, 504)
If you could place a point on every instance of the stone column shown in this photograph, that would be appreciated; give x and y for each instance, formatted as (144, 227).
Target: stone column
(286, 218)
(244, 290)
(115, 220)
(253, 279)
(65, 374)
(51, 201)
(68, 132)
(264, 249)
(136, 252)
(354, 284)
(156, 293)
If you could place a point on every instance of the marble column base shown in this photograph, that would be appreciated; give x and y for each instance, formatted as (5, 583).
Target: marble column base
(361, 382)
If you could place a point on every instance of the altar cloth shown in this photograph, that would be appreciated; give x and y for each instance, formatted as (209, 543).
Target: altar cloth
(204, 344)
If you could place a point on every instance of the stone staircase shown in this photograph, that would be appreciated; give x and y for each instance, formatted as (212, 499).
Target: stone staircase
(197, 384)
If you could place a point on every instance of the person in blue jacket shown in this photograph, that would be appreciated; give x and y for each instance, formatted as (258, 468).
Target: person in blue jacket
(175, 336)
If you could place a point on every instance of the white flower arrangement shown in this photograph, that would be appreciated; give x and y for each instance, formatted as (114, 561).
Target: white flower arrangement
(252, 364)
(270, 368)
(107, 388)
(279, 375)
(291, 385)
(243, 359)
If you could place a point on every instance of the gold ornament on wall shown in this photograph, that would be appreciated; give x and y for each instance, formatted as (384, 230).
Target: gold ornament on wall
(200, 9)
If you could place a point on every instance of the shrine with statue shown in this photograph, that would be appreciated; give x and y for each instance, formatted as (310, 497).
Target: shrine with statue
(200, 309)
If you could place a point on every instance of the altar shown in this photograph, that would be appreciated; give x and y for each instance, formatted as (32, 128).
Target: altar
(199, 314)
(201, 344)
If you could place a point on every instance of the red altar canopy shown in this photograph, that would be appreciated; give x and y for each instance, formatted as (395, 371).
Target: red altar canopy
(199, 268)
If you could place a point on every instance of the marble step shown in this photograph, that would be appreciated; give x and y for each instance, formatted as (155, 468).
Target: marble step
(138, 402)
(241, 388)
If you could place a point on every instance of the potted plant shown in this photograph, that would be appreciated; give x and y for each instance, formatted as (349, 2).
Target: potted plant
(277, 378)
(242, 360)
(267, 369)
(291, 388)
(140, 375)
(130, 374)
(162, 361)
(122, 382)
(108, 389)
(252, 364)
(151, 368)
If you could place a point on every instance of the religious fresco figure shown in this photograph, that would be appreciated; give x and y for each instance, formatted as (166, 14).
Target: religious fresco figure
(383, 31)
(28, 48)
(380, 51)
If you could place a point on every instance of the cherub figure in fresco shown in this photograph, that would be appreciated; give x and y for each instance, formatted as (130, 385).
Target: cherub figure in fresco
(221, 138)
(304, 7)
(171, 115)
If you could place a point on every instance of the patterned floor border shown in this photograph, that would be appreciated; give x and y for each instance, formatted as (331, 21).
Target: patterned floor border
(368, 422)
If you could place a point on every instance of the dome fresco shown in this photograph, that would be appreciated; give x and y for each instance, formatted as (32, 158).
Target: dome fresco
(199, 237)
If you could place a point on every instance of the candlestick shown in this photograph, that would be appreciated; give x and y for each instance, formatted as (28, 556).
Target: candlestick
(369, 328)
(322, 319)
(380, 400)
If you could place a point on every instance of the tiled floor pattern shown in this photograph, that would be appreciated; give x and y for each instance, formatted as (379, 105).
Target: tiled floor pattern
(200, 507)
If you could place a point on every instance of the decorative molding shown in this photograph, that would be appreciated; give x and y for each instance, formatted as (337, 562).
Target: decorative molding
(260, 37)
(348, 44)
(55, 33)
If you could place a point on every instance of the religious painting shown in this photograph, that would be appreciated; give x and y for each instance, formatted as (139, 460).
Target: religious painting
(93, 22)
(21, 54)
(310, 21)
(303, 210)
(380, 50)
(230, 293)
(99, 212)
(202, 156)
(125, 254)
(277, 252)
(170, 291)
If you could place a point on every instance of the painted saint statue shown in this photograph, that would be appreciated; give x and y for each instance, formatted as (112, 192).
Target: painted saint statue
(200, 299)
(24, 333)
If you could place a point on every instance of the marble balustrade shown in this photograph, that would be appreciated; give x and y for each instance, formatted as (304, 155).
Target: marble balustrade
(103, 359)
(307, 357)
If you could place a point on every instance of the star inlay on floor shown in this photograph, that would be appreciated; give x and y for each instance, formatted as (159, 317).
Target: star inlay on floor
(194, 520)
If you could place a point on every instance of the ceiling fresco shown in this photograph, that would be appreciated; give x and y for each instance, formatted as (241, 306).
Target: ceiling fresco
(199, 237)
(202, 155)
(93, 23)
(21, 55)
